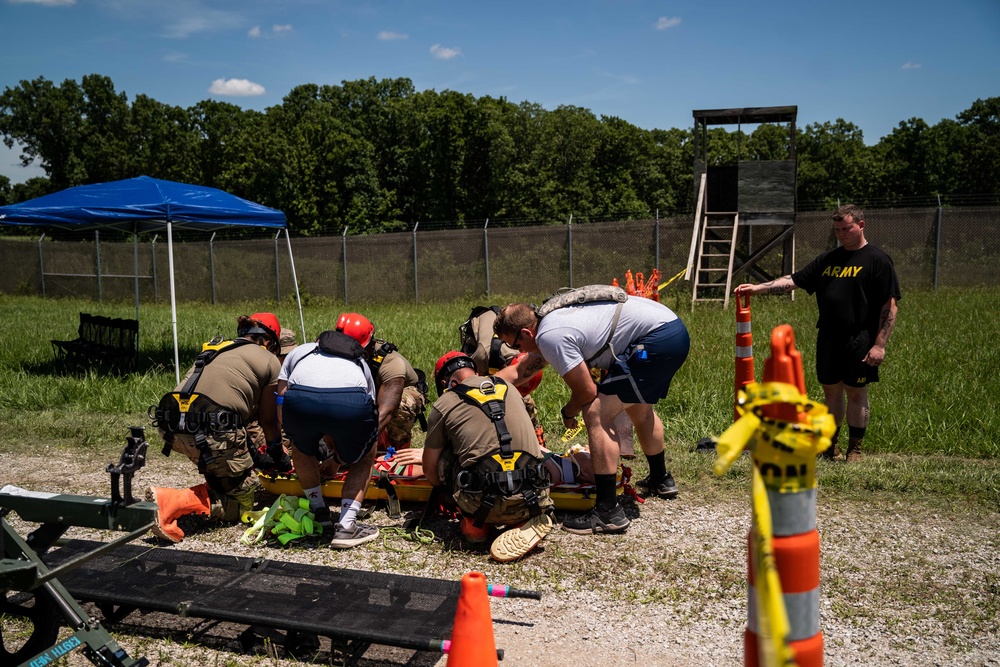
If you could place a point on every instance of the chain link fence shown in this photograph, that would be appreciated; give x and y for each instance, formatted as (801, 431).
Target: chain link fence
(931, 247)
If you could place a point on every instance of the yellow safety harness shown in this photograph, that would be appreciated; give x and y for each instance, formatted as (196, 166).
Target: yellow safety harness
(508, 472)
(196, 414)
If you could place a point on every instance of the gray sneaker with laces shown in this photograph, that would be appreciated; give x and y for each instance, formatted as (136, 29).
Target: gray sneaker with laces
(345, 538)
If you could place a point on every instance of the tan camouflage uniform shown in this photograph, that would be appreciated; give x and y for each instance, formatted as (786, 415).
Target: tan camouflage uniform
(399, 429)
(477, 339)
(393, 365)
(230, 461)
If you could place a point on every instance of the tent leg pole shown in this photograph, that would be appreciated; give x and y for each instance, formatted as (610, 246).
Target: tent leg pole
(295, 281)
(173, 300)
(135, 265)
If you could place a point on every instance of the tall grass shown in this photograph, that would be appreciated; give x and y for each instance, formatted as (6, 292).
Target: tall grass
(933, 414)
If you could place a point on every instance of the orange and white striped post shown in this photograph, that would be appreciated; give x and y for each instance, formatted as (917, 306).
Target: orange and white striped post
(744, 349)
(784, 432)
(791, 494)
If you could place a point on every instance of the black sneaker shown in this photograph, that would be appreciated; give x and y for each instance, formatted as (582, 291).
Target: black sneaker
(598, 521)
(666, 489)
(322, 516)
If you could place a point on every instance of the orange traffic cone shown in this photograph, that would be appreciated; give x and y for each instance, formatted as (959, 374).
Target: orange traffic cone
(472, 643)
(784, 365)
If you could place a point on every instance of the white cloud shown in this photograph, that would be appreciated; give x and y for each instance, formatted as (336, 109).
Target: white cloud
(389, 35)
(47, 3)
(664, 22)
(909, 65)
(236, 88)
(183, 18)
(444, 52)
(176, 57)
(276, 31)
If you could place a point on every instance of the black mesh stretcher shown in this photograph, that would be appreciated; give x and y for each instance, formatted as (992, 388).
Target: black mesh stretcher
(353, 608)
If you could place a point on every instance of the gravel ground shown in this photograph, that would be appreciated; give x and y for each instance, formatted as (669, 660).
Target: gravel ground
(901, 584)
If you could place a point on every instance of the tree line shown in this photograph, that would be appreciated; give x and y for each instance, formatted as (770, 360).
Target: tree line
(378, 155)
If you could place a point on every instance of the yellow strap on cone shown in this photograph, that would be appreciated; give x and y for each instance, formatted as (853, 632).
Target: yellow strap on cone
(772, 618)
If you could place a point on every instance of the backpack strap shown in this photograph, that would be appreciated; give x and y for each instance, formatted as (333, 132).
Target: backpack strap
(336, 344)
(587, 294)
(611, 334)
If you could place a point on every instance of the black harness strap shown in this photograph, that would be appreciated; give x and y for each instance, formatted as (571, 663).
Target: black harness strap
(382, 350)
(489, 397)
(197, 415)
(496, 361)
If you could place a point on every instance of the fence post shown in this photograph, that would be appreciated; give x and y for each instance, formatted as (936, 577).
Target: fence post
(937, 243)
(656, 253)
(211, 264)
(277, 273)
(41, 262)
(97, 258)
(569, 241)
(152, 251)
(344, 246)
(416, 284)
(486, 253)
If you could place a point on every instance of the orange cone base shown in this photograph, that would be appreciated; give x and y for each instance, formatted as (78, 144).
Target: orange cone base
(808, 652)
(472, 641)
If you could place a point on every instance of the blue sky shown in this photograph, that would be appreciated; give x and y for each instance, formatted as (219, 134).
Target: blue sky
(873, 63)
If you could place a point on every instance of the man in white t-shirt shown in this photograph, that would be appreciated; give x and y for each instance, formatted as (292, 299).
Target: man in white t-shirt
(641, 343)
(331, 398)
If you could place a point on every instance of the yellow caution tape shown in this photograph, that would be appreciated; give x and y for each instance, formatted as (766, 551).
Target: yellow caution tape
(784, 452)
(663, 285)
(772, 618)
(571, 433)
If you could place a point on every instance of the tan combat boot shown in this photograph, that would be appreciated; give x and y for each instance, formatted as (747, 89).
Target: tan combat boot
(172, 504)
(832, 452)
(854, 451)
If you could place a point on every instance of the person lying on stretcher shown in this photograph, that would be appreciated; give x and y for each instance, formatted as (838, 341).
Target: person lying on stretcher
(573, 467)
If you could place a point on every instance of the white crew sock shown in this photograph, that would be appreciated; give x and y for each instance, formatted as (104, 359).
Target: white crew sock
(348, 513)
(315, 496)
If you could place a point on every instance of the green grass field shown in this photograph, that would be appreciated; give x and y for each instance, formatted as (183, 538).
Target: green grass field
(934, 414)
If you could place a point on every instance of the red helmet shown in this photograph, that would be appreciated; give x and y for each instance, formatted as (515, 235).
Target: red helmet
(448, 364)
(264, 323)
(532, 383)
(357, 327)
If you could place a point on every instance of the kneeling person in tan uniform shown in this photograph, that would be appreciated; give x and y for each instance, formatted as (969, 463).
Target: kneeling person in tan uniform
(491, 466)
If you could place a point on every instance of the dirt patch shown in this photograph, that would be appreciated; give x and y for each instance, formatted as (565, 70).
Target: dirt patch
(901, 584)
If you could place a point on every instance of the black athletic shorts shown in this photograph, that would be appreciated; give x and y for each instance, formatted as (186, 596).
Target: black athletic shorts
(838, 359)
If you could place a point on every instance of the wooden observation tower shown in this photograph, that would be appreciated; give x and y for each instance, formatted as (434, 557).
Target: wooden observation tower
(744, 219)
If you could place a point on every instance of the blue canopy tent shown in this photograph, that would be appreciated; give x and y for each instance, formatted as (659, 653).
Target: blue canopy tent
(149, 204)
